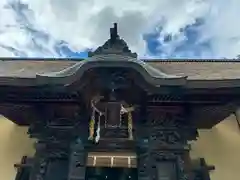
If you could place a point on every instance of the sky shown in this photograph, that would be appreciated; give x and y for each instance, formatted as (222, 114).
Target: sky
(154, 28)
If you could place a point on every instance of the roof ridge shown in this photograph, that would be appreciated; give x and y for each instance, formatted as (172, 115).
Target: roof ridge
(191, 60)
(145, 60)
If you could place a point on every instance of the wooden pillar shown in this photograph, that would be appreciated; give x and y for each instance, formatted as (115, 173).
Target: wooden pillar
(77, 161)
(162, 146)
(143, 163)
(141, 137)
(39, 167)
(168, 151)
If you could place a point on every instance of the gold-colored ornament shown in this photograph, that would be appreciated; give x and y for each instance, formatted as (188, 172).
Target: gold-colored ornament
(130, 126)
(91, 126)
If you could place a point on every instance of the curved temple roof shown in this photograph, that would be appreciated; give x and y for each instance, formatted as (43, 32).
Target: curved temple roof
(113, 53)
(152, 75)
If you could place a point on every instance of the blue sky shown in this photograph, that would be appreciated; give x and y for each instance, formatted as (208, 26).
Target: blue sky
(159, 29)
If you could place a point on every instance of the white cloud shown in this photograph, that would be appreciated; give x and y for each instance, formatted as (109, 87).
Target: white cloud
(222, 27)
(85, 24)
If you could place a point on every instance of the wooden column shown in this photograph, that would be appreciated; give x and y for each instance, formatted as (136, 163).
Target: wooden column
(39, 167)
(167, 152)
(141, 137)
(77, 161)
(162, 145)
(143, 164)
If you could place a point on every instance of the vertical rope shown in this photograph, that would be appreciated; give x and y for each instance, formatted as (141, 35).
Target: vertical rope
(98, 128)
(91, 126)
(130, 135)
(93, 119)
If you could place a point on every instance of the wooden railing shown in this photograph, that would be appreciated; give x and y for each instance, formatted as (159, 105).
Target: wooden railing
(124, 160)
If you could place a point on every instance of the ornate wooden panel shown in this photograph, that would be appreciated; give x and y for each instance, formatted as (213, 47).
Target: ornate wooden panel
(114, 133)
(113, 145)
(167, 139)
(168, 165)
(166, 170)
(57, 153)
(165, 116)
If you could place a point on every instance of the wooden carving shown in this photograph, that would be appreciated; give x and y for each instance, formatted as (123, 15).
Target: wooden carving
(162, 137)
(173, 161)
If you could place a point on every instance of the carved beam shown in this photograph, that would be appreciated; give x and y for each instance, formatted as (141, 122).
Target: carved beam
(120, 145)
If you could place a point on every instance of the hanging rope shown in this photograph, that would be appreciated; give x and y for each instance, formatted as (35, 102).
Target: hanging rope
(93, 120)
(130, 120)
(91, 125)
(130, 126)
(98, 128)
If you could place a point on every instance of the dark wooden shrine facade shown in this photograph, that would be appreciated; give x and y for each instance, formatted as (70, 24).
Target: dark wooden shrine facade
(171, 100)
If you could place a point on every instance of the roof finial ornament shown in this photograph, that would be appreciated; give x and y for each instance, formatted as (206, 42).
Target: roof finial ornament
(114, 33)
(114, 45)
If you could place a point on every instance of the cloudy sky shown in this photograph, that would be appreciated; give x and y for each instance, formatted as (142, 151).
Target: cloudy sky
(152, 28)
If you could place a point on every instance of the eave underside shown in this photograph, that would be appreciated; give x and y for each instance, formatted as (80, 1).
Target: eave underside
(203, 112)
(203, 118)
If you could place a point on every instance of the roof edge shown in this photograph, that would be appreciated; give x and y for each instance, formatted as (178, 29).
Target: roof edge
(72, 74)
(140, 59)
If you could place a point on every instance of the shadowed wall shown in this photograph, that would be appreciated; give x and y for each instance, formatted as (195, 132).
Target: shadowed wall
(220, 146)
